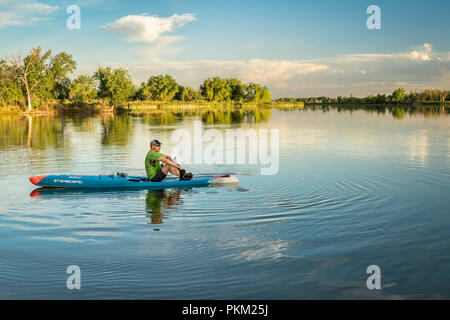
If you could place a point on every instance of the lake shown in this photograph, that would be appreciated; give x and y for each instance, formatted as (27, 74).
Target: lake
(354, 188)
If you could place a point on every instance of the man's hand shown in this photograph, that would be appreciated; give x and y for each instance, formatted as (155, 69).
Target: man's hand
(175, 163)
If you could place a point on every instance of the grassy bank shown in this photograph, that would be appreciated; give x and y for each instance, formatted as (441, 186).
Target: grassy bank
(139, 107)
(98, 106)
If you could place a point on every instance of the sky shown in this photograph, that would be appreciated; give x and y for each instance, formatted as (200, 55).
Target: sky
(295, 48)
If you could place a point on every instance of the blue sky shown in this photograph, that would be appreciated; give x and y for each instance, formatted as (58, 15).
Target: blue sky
(296, 48)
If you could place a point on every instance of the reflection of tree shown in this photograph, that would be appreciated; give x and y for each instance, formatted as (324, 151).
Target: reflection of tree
(236, 116)
(35, 132)
(209, 115)
(85, 123)
(397, 111)
(30, 127)
(160, 118)
(158, 200)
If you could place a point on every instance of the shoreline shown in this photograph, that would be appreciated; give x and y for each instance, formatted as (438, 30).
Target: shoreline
(137, 107)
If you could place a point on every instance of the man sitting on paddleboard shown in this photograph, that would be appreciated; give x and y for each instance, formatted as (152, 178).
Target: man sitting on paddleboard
(156, 172)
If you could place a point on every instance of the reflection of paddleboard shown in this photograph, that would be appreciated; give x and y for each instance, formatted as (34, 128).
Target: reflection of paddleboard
(121, 181)
(105, 193)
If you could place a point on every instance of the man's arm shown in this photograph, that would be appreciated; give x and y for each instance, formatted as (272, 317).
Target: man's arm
(166, 159)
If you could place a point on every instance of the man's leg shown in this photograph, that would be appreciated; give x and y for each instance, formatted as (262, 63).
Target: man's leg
(173, 170)
(159, 176)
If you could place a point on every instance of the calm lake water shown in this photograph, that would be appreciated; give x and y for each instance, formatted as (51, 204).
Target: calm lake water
(353, 189)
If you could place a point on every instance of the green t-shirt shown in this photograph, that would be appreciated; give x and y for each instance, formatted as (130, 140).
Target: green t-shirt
(152, 164)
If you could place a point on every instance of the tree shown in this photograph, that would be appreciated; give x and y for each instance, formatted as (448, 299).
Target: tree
(39, 78)
(442, 94)
(82, 89)
(10, 90)
(207, 90)
(161, 88)
(61, 90)
(179, 93)
(114, 85)
(222, 90)
(102, 75)
(398, 95)
(236, 89)
(60, 66)
(255, 93)
(30, 71)
(143, 92)
(218, 89)
(189, 94)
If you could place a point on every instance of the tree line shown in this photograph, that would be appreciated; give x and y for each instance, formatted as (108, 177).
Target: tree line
(41, 77)
(398, 96)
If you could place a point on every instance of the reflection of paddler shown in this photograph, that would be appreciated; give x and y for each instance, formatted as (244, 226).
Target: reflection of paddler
(157, 200)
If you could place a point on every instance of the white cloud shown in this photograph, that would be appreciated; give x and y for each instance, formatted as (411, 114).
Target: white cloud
(424, 54)
(151, 29)
(282, 85)
(37, 7)
(253, 70)
(259, 70)
(358, 74)
(25, 12)
(9, 19)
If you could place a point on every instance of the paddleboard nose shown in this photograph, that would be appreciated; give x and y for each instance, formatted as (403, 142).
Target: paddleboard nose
(35, 193)
(35, 180)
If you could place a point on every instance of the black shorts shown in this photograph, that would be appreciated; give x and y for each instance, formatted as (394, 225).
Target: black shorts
(159, 176)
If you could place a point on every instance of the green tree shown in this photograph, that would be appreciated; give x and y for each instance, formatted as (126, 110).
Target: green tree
(189, 94)
(82, 89)
(30, 71)
(179, 93)
(40, 78)
(59, 67)
(207, 90)
(222, 89)
(10, 90)
(161, 88)
(143, 92)
(398, 95)
(236, 89)
(61, 89)
(218, 89)
(255, 93)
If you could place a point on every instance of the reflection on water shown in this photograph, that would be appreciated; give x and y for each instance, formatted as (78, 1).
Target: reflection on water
(397, 111)
(38, 132)
(43, 131)
(236, 116)
(116, 130)
(158, 200)
(418, 143)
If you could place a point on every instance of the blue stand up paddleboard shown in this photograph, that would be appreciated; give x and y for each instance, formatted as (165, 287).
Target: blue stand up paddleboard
(123, 181)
